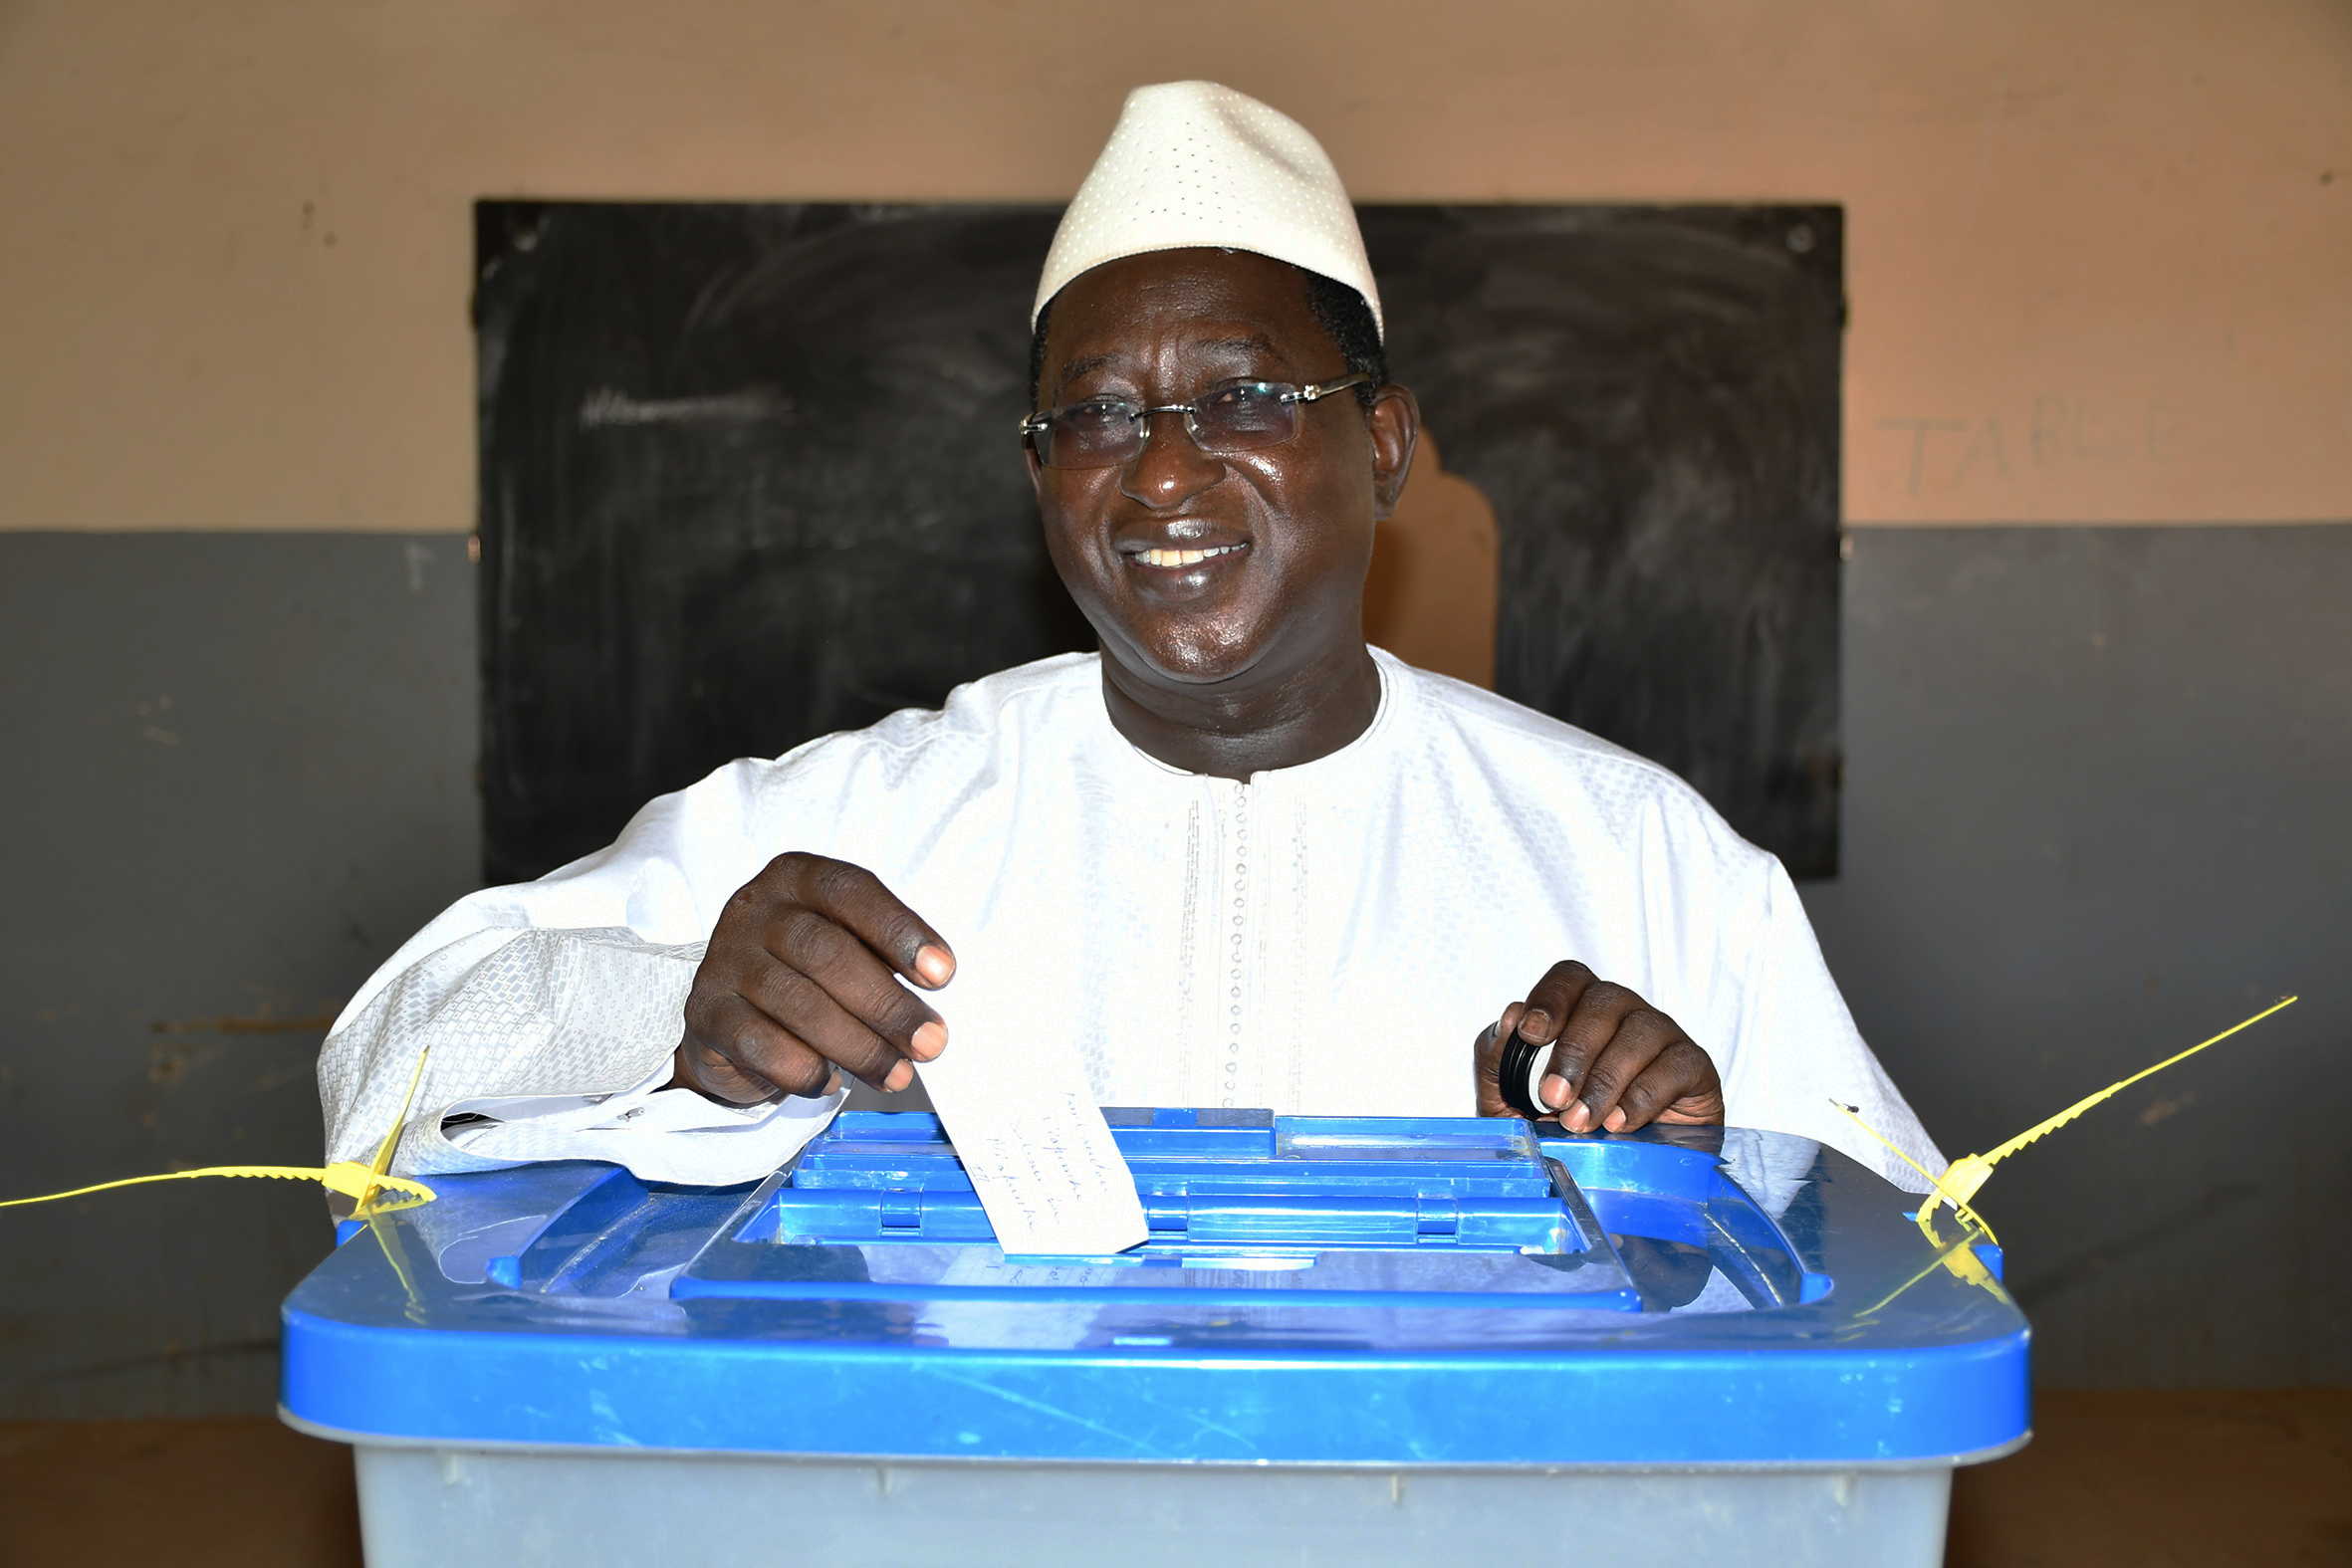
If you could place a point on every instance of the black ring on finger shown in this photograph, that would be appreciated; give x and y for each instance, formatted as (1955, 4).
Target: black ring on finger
(1515, 1076)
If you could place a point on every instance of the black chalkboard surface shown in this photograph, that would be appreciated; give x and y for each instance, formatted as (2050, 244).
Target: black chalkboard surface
(747, 476)
(1649, 398)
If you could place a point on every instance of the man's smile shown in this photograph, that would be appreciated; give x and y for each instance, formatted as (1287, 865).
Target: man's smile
(1178, 559)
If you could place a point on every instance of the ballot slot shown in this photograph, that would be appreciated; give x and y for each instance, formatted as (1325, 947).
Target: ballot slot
(1211, 1185)
(1396, 1212)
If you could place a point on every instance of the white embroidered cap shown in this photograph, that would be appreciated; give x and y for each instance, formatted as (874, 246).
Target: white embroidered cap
(1195, 163)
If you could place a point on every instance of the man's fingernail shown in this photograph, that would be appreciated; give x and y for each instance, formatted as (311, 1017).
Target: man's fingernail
(1616, 1121)
(899, 1076)
(934, 965)
(1538, 1021)
(1554, 1091)
(929, 1041)
(1578, 1117)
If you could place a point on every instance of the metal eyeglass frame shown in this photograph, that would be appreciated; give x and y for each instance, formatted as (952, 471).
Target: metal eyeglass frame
(1032, 425)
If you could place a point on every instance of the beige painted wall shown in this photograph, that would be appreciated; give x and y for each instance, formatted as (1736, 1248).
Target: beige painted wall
(2100, 252)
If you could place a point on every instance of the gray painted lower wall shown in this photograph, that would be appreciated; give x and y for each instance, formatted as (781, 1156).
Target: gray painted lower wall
(2094, 810)
(2099, 806)
(178, 885)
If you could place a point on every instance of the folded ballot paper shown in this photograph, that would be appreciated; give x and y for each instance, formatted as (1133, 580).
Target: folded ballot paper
(1025, 1124)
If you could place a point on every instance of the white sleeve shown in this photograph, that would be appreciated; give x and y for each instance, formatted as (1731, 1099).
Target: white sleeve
(579, 1020)
(571, 988)
(1798, 1049)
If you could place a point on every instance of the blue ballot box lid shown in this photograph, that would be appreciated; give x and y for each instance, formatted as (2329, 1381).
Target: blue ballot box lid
(1314, 1289)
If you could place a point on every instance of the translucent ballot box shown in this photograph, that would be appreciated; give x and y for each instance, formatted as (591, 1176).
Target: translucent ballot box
(1347, 1341)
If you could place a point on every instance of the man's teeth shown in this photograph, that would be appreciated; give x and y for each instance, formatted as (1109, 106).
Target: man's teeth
(1184, 558)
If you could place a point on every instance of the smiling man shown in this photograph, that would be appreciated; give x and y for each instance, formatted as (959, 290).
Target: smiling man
(1237, 857)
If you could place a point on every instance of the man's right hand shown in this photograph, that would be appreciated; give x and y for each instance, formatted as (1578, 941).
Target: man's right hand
(802, 978)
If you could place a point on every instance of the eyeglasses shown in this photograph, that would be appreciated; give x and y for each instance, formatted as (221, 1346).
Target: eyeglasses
(1242, 416)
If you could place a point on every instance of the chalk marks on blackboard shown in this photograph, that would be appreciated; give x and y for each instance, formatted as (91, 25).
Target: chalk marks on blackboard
(607, 406)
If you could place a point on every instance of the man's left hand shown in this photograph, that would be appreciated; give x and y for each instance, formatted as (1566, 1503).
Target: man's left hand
(1616, 1061)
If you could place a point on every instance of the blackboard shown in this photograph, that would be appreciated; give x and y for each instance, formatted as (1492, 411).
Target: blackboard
(747, 476)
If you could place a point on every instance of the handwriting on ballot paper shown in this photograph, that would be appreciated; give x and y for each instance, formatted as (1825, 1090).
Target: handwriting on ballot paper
(1054, 1179)
(1039, 1155)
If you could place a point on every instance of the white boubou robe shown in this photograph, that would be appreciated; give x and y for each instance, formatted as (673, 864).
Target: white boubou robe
(1329, 938)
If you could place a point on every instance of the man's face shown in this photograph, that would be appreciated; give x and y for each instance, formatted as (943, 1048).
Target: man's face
(1291, 526)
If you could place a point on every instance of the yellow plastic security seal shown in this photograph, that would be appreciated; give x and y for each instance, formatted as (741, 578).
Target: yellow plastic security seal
(348, 1177)
(1965, 1176)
